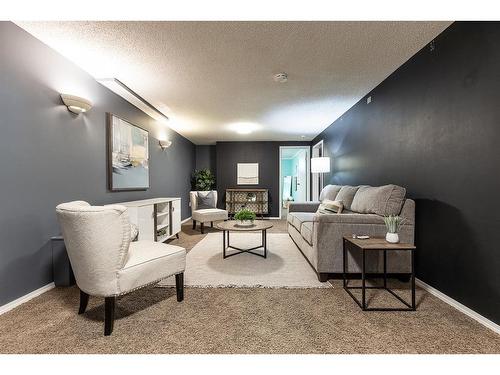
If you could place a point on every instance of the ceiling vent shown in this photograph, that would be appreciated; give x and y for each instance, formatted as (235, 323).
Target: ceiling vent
(280, 77)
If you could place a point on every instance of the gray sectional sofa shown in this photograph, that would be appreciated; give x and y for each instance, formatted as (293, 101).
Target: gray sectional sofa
(319, 236)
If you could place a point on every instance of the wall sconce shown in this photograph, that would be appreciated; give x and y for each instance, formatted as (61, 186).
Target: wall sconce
(76, 104)
(165, 144)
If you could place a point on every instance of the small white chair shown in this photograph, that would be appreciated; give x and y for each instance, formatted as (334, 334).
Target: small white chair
(205, 215)
(105, 261)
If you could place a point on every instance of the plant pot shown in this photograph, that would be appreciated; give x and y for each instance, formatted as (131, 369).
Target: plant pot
(244, 223)
(392, 237)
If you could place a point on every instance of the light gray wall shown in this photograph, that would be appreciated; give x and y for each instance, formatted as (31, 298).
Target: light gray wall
(48, 155)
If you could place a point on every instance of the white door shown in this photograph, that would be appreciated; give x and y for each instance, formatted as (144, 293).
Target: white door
(145, 223)
(176, 216)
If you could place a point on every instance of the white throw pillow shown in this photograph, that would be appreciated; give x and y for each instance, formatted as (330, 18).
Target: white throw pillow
(330, 207)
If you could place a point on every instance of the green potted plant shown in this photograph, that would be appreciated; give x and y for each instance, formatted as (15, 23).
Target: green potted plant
(244, 217)
(203, 180)
(393, 223)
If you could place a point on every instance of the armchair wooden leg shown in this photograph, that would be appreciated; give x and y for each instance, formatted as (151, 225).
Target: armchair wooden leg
(201, 227)
(179, 286)
(109, 315)
(212, 224)
(194, 224)
(84, 301)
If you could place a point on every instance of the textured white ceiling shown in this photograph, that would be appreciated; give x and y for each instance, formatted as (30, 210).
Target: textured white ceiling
(209, 76)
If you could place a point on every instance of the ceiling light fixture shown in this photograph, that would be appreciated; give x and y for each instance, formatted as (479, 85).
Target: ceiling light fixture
(76, 104)
(280, 77)
(118, 87)
(244, 127)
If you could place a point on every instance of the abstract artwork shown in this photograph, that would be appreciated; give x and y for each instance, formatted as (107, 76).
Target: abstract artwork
(128, 155)
(247, 174)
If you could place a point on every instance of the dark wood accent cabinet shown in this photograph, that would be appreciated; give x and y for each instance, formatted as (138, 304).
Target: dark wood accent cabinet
(255, 200)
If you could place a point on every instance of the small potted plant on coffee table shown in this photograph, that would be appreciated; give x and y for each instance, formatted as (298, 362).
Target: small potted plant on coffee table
(244, 218)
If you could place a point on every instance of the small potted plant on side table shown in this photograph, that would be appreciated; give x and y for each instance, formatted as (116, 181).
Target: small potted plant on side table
(244, 218)
(393, 223)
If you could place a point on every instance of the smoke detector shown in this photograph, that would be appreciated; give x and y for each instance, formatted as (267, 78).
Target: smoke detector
(280, 77)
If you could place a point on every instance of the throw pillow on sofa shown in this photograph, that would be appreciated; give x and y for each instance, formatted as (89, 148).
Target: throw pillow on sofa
(329, 192)
(383, 200)
(330, 207)
(346, 195)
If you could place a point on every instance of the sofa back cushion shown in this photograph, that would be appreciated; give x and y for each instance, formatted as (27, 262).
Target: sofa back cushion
(329, 192)
(383, 200)
(330, 207)
(346, 195)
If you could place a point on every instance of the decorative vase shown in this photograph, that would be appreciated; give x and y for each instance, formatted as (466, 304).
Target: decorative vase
(245, 223)
(392, 237)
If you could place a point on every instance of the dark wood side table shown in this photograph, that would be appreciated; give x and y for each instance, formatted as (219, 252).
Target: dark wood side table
(377, 244)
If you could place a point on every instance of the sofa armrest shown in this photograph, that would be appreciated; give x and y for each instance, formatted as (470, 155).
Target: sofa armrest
(349, 218)
(303, 207)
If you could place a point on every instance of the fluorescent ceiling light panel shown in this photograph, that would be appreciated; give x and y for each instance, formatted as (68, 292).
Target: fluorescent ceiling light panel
(133, 98)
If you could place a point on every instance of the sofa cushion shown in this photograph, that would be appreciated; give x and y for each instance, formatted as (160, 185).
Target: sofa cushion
(383, 200)
(346, 195)
(306, 231)
(297, 218)
(330, 207)
(329, 192)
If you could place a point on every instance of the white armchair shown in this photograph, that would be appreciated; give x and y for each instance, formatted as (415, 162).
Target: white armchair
(205, 215)
(105, 261)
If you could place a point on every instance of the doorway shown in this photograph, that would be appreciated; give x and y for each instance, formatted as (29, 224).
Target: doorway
(317, 178)
(295, 166)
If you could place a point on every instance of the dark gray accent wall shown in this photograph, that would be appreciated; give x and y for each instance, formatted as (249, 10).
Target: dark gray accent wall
(49, 156)
(205, 157)
(229, 154)
(433, 126)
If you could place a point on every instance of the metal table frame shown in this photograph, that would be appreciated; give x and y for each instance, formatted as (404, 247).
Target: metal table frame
(225, 232)
(362, 304)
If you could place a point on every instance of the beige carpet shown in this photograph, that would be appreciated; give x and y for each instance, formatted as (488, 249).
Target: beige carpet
(284, 267)
(239, 320)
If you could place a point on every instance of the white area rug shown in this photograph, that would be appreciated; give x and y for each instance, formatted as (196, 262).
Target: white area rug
(284, 267)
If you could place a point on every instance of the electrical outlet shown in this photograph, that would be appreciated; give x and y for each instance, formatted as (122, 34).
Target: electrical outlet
(369, 100)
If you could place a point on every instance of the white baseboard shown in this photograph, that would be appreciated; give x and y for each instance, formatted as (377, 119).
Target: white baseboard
(462, 308)
(186, 220)
(17, 302)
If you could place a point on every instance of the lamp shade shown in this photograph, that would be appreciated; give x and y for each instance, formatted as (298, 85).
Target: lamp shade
(320, 164)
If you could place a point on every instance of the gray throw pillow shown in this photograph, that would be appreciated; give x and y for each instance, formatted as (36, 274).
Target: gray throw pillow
(382, 200)
(346, 195)
(205, 200)
(329, 192)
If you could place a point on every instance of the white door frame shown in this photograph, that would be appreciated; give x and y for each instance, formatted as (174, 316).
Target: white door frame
(308, 173)
(318, 176)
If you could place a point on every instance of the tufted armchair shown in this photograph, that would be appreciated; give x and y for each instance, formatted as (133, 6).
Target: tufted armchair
(105, 261)
(204, 215)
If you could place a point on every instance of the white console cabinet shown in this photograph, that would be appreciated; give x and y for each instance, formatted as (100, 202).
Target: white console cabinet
(157, 219)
